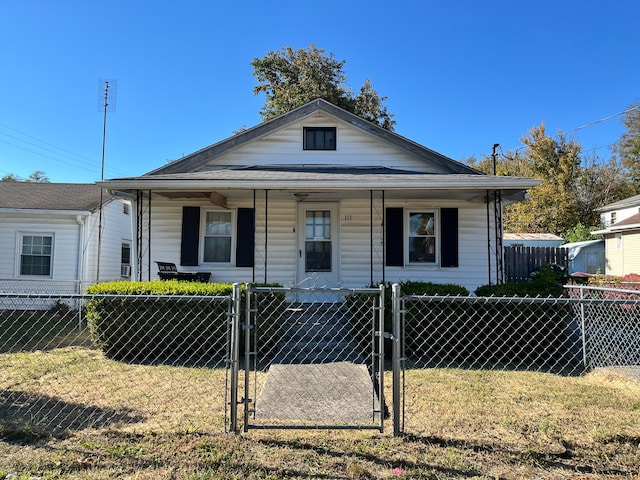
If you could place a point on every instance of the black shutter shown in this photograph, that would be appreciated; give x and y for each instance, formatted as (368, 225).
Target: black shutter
(245, 240)
(394, 237)
(449, 237)
(190, 236)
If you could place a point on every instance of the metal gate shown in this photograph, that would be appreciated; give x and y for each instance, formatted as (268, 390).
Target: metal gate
(313, 358)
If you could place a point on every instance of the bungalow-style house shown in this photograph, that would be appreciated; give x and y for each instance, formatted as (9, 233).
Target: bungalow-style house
(49, 241)
(622, 236)
(319, 197)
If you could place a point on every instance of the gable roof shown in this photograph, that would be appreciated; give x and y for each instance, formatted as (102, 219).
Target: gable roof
(624, 203)
(51, 196)
(630, 223)
(200, 158)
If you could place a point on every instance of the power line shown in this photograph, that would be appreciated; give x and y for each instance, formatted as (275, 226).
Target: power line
(631, 109)
(55, 153)
(601, 120)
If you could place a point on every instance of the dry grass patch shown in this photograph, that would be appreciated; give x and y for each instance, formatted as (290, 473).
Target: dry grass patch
(83, 416)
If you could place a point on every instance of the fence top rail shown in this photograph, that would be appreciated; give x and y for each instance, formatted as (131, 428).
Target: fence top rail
(607, 289)
(80, 296)
(254, 288)
(549, 300)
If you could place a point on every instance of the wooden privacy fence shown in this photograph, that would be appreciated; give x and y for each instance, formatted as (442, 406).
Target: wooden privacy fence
(520, 262)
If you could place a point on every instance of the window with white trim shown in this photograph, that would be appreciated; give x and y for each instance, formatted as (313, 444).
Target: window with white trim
(422, 237)
(218, 234)
(36, 252)
(125, 259)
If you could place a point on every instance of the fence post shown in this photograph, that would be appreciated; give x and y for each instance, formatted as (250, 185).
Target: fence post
(395, 311)
(235, 355)
(583, 325)
(381, 337)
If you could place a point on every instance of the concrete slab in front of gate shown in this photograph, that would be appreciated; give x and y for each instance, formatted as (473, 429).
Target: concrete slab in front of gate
(325, 392)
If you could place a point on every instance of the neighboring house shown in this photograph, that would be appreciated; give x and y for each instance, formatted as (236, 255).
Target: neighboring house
(321, 197)
(49, 238)
(532, 240)
(586, 257)
(622, 236)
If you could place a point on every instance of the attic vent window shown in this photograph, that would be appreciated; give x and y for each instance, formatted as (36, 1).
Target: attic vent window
(319, 138)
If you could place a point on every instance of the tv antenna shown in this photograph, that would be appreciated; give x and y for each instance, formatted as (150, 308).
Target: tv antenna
(106, 103)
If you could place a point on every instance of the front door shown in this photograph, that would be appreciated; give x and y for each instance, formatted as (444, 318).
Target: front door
(318, 245)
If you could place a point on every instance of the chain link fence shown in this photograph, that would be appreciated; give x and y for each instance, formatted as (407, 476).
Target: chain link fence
(148, 362)
(562, 371)
(463, 368)
(314, 358)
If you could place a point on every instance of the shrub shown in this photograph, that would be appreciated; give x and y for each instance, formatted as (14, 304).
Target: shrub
(140, 323)
(544, 283)
(359, 313)
(164, 319)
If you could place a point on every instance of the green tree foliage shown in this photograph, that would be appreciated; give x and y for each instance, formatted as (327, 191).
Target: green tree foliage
(581, 233)
(290, 78)
(37, 177)
(10, 177)
(573, 185)
(628, 147)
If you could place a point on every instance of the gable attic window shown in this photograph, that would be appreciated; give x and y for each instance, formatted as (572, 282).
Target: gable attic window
(319, 138)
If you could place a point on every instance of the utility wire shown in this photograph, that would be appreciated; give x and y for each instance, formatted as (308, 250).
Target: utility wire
(79, 161)
(635, 107)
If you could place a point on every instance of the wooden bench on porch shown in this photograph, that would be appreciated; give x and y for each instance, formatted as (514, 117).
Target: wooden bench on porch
(169, 271)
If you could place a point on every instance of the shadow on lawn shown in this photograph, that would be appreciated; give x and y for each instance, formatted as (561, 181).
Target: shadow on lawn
(26, 417)
(562, 459)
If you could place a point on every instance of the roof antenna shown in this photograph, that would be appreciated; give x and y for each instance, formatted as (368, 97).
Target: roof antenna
(106, 103)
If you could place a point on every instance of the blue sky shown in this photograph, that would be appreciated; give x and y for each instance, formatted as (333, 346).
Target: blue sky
(459, 75)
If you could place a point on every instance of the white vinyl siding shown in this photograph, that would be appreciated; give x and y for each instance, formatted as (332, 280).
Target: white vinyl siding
(276, 244)
(354, 148)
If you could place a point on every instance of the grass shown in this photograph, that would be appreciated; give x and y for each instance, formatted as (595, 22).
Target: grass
(71, 413)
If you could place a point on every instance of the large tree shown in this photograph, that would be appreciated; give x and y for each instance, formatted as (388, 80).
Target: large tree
(573, 186)
(628, 147)
(290, 78)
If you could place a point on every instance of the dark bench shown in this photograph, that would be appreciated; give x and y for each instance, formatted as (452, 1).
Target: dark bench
(169, 271)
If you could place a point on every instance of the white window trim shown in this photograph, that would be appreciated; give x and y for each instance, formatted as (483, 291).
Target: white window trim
(203, 231)
(21, 235)
(130, 243)
(436, 233)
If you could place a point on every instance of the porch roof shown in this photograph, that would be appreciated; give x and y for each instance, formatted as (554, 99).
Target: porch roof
(319, 178)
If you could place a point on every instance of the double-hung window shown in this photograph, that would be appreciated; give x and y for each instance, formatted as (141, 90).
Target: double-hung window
(422, 239)
(217, 237)
(36, 252)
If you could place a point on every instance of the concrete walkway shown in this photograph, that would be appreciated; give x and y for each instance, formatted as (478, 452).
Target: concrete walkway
(319, 373)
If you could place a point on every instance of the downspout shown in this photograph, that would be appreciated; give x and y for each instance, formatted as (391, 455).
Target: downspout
(82, 253)
(253, 267)
(149, 240)
(488, 239)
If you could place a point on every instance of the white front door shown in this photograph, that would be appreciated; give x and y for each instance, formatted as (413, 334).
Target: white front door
(318, 245)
